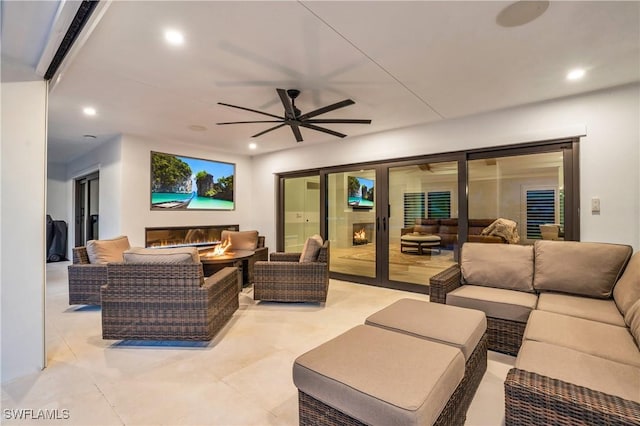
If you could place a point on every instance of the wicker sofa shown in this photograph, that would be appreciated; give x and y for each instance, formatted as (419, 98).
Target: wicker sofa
(570, 311)
(164, 301)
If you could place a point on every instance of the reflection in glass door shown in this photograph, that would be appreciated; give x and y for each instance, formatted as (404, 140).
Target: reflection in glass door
(423, 200)
(351, 222)
(301, 211)
(525, 191)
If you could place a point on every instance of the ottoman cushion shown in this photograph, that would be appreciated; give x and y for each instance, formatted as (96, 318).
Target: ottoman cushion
(459, 327)
(381, 377)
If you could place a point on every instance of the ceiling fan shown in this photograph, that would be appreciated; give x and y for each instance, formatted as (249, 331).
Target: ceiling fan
(294, 118)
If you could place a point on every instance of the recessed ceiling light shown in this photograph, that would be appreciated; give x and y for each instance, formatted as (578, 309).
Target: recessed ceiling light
(252, 145)
(173, 37)
(197, 128)
(89, 111)
(576, 74)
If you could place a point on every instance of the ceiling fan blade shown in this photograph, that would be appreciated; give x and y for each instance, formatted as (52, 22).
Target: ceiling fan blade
(252, 110)
(288, 108)
(296, 132)
(322, 129)
(247, 122)
(268, 130)
(337, 120)
(326, 109)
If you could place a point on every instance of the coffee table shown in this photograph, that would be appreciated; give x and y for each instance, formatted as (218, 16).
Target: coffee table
(238, 258)
(432, 242)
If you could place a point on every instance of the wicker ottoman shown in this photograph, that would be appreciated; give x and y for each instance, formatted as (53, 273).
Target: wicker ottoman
(461, 328)
(370, 375)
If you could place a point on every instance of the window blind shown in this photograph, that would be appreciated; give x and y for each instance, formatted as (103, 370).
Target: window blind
(439, 205)
(413, 207)
(541, 209)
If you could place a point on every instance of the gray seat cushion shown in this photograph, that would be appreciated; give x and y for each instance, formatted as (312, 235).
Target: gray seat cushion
(494, 302)
(161, 255)
(581, 369)
(602, 310)
(591, 337)
(381, 377)
(459, 327)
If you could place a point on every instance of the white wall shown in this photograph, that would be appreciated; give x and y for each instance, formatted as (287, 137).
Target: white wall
(125, 170)
(136, 171)
(609, 157)
(22, 213)
(106, 159)
(57, 196)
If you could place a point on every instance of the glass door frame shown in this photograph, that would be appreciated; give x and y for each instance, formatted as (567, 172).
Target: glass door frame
(568, 146)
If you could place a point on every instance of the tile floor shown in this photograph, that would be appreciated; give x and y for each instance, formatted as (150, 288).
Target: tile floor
(242, 377)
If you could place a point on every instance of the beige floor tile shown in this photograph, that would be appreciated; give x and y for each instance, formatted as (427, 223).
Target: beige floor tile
(242, 377)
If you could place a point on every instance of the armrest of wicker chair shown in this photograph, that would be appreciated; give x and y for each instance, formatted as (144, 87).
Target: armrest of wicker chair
(85, 279)
(284, 257)
(444, 282)
(532, 399)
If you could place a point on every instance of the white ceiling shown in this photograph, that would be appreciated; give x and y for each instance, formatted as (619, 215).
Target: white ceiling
(403, 63)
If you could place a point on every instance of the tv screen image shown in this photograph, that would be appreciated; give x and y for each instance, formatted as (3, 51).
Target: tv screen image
(186, 183)
(360, 192)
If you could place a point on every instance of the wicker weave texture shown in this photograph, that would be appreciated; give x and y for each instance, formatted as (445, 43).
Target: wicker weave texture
(291, 281)
(443, 283)
(85, 279)
(314, 412)
(166, 301)
(532, 399)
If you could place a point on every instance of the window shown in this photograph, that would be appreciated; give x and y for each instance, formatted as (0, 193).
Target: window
(413, 207)
(439, 205)
(541, 209)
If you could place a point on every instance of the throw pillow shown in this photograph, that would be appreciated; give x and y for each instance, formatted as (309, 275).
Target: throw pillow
(587, 269)
(627, 289)
(505, 266)
(105, 251)
(311, 249)
(632, 318)
(161, 255)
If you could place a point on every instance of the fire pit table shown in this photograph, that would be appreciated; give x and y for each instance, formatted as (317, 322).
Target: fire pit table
(212, 263)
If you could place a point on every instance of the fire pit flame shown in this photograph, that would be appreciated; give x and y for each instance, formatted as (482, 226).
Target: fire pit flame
(221, 248)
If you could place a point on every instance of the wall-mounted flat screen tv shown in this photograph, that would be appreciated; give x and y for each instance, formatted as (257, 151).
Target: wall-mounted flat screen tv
(185, 183)
(360, 192)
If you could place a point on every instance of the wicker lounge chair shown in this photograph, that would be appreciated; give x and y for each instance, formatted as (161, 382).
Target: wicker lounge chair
(285, 279)
(163, 301)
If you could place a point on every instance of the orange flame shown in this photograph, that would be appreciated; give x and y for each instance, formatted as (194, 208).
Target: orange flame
(221, 248)
(359, 235)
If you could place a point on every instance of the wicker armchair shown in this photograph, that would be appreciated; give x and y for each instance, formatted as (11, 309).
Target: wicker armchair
(161, 301)
(285, 279)
(85, 279)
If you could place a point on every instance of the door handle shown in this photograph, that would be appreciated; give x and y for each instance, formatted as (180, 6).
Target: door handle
(384, 223)
(377, 224)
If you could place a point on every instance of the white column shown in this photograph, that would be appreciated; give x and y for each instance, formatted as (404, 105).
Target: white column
(23, 164)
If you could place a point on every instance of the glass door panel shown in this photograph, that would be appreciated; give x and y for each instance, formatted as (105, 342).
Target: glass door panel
(526, 191)
(301, 211)
(351, 222)
(423, 200)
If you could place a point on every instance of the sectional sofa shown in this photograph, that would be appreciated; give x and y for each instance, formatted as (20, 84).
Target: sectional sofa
(447, 230)
(570, 312)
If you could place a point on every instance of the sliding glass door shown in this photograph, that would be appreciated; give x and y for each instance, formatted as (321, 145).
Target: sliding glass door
(301, 211)
(423, 207)
(398, 223)
(352, 224)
